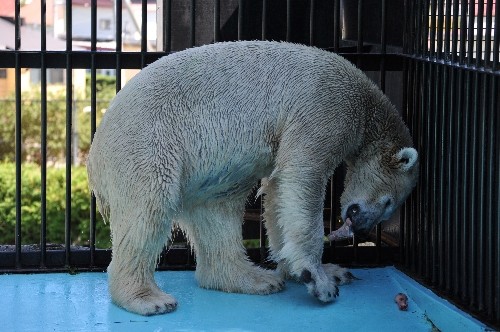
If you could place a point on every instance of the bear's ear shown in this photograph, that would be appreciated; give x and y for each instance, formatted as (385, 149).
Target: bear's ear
(407, 158)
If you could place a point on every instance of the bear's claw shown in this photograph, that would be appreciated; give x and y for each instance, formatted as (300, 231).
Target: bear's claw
(341, 275)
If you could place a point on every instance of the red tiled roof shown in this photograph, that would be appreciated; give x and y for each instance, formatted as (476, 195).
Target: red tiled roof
(7, 8)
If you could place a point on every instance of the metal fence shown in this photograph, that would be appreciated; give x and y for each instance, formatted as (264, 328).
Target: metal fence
(451, 222)
(436, 59)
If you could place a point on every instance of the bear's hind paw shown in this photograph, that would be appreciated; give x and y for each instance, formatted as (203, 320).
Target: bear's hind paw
(151, 304)
(252, 280)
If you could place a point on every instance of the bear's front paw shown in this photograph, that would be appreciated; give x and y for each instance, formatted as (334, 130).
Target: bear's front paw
(320, 286)
(148, 303)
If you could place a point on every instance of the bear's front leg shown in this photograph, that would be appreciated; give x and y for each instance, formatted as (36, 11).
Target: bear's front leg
(299, 214)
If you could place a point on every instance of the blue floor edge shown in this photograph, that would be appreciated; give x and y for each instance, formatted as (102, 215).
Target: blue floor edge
(443, 314)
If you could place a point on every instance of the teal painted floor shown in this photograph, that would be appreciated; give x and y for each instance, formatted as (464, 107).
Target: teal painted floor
(63, 302)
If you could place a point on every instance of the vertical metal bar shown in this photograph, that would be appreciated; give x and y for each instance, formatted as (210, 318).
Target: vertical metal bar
(382, 87)
(458, 182)
(487, 36)
(217, 21)
(463, 32)
(426, 40)
(360, 27)
(479, 33)
(449, 147)
(288, 20)
(496, 42)
(69, 129)
(409, 221)
(473, 215)
(383, 45)
(144, 27)
(435, 163)
(264, 19)
(470, 33)
(450, 215)
(93, 107)
(167, 25)
(419, 229)
(118, 36)
(486, 196)
(43, 135)
(447, 30)
(416, 130)
(424, 232)
(495, 222)
(406, 106)
(336, 25)
(406, 30)
(405, 230)
(461, 172)
(93, 25)
(439, 29)
(413, 19)
(454, 33)
(192, 35)
(432, 32)
(416, 18)
(495, 260)
(486, 289)
(487, 298)
(430, 197)
(465, 189)
(455, 123)
(443, 207)
(421, 233)
(240, 19)
(311, 22)
(17, 47)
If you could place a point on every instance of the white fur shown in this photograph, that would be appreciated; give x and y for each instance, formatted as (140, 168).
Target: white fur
(187, 138)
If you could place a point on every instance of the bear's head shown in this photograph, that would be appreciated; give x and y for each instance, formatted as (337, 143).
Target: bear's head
(376, 185)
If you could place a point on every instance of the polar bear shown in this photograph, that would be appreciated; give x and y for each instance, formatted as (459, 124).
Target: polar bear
(187, 139)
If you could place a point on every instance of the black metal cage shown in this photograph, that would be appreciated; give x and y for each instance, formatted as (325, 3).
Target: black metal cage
(437, 60)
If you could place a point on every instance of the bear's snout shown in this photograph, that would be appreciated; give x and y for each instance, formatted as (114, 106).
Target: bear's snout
(361, 220)
(353, 211)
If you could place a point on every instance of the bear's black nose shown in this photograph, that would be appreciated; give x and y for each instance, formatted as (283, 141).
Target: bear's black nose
(352, 211)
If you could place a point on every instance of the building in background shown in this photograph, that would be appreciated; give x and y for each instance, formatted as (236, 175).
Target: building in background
(31, 41)
(106, 23)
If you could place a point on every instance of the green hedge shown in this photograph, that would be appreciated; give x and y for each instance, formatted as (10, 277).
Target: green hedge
(55, 208)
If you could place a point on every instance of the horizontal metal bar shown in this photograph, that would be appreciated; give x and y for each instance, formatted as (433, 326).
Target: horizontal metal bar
(132, 60)
(472, 67)
(176, 258)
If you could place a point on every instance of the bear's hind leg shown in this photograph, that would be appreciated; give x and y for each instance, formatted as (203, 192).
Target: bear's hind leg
(138, 238)
(215, 231)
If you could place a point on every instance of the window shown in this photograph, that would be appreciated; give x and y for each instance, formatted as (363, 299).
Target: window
(54, 75)
(105, 24)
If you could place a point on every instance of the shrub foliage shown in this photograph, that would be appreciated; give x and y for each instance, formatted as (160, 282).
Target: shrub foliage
(55, 206)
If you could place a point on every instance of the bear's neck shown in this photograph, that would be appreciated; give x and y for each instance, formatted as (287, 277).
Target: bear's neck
(385, 131)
